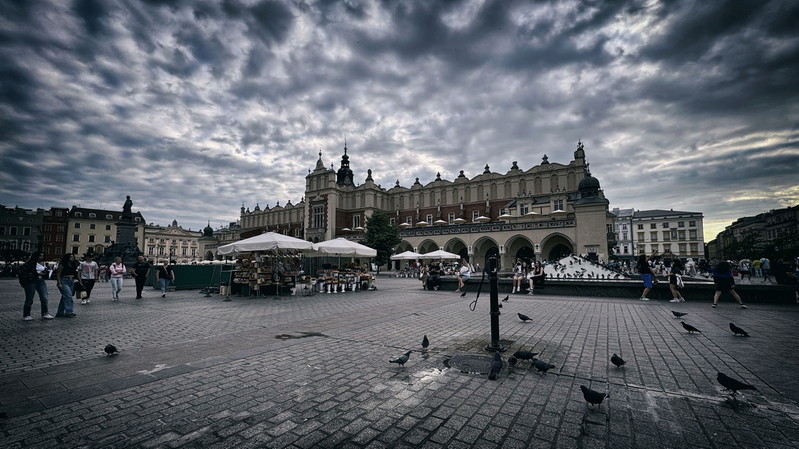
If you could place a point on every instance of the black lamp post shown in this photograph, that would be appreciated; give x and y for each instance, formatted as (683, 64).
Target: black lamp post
(494, 305)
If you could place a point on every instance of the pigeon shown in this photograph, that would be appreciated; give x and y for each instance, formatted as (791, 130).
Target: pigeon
(425, 342)
(506, 298)
(732, 384)
(616, 360)
(401, 359)
(591, 396)
(525, 355)
(542, 366)
(689, 328)
(738, 331)
(512, 361)
(110, 349)
(524, 317)
(463, 295)
(496, 366)
(678, 314)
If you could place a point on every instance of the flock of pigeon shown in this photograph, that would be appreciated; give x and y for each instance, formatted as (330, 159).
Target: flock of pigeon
(592, 397)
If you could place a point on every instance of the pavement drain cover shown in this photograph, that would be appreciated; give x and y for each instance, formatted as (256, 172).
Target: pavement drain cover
(470, 363)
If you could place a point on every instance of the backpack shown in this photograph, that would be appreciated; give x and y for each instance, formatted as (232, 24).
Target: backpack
(27, 275)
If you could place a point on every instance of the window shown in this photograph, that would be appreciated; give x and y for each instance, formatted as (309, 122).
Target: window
(392, 221)
(523, 209)
(59, 237)
(666, 248)
(107, 227)
(75, 249)
(76, 237)
(91, 238)
(692, 234)
(666, 236)
(296, 234)
(683, 248)
(429, 219)
(13, 230)
(59, 251)
(60, 228)
(48, 227)
(109, 217)
(451, 218)
(558, 205)
(77, 225)
(318, 217)
(680, 224)
(624, 235)
(475, 214)
(107, 239)
(503, 211)
(151, 250)
(653, 236)
(640, 226)
(653, 226)
(356, 221)
(138, 219)
(92, 215)
(640, 236)
(624, 227)
(26, 245)
(194, 250)
(408, 220)
(46, 237)
(58, 213)
(655, 248)
(78, 214)
(26, 231)
(624, 248)
(92, 226)
(681, 235)
(665, 225)
(185, 252)
(692, 223)
(694, 248)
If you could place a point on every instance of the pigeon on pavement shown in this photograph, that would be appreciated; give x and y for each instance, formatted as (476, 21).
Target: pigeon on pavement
(689, 328)
(425, 342)
(512, 361)
(463, 295)
(496, 366)
(678, 314)
(732, 384)
(738, 331)
(401, 359)
(525, 355)
(616, 360)
(542, 366)
(591, 396)
(110, 349)
(505, 299)
(524, 317)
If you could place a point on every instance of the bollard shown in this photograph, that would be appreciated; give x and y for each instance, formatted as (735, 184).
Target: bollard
(493, 298)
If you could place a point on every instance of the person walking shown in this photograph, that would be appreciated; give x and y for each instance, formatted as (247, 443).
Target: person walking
(725, 282)
(164, 274)
(765, 267)
(675, 280)
(744, 268)
(140, 271)
(464, 273)
(535, 276)
(647, 275)
(88, 272)
(116, 271)
(65, 277)
(32, 277)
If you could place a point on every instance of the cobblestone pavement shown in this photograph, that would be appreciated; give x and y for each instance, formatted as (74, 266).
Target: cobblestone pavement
(303, 372)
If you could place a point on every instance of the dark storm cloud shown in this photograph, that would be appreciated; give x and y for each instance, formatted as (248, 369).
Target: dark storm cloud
(223, 103)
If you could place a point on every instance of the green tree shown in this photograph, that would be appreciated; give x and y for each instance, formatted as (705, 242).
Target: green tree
(9, 255)
(747, 246)
(381, 236)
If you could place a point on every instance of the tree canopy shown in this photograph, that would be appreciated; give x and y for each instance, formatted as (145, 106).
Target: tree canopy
(381, 236)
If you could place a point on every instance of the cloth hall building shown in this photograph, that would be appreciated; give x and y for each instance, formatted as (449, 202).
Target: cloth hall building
(541, 213)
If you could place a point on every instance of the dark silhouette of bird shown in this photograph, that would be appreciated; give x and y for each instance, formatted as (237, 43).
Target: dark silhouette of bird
(616, 360)
(110, 349)
(506, 298)
(689, 328)
(542, 366)
(463, 295)
(524, 317)
(512, 361)
(678, 314)
(401, 359)
(733, 385)
(738, 331)
(425, 342)
(496, 366)
(525, 355)
(591, 396)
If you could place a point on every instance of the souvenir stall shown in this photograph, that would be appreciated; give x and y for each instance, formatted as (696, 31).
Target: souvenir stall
(266, 264)
(343, 276)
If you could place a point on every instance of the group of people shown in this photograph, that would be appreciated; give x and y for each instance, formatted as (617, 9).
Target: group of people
(533, 273)
(75, 278)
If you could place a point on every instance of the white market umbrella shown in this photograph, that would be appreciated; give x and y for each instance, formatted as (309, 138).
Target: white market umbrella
(264, 242)
(407, 255)
(343, 247)
(440, 254)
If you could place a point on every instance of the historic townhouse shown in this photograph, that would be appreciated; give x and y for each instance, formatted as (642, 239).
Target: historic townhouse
(95, 229)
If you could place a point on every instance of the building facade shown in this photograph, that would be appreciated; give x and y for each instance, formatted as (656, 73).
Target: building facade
(544, 212)
(769, 231)
(175, 243)
(20, 229)
(92, 230)
(54, 233)
(668, 233)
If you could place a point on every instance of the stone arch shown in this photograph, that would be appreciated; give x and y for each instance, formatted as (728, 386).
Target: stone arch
(522, 186)
(518, 247)
(537, 185)
(401, 248)
(457, 246)
(209, 255)
(484, 248)
(555, 246)
(426, 246)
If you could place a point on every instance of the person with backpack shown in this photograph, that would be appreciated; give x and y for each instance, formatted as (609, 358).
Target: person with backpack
(32, 277)
(165, 274)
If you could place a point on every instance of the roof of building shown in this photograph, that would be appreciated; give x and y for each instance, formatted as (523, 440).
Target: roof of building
(661, 213)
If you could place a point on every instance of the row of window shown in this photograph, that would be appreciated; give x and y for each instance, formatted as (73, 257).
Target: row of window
(14, 244)
(13, 230)
(94, 226)
(664, 225)
(681, 249)
(94, 215)
(151, 250)
(92, 238)
(174, 241)
(668, 236)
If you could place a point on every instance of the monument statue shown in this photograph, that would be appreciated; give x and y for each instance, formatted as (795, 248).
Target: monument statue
(126, 213)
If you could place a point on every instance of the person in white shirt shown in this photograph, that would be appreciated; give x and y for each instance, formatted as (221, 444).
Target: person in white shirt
(464, 273)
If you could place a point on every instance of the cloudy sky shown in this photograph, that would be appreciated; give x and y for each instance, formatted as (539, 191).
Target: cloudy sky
(194, 107)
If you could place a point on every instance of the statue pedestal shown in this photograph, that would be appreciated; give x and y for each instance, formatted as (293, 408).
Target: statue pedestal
(126, 232)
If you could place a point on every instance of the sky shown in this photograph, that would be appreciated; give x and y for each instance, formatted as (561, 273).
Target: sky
(195, 107)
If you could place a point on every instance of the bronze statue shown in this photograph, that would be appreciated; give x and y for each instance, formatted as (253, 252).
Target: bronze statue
(126, 213)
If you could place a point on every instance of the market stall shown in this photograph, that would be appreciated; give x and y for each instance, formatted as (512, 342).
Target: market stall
(268, 263)
(346, 276)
